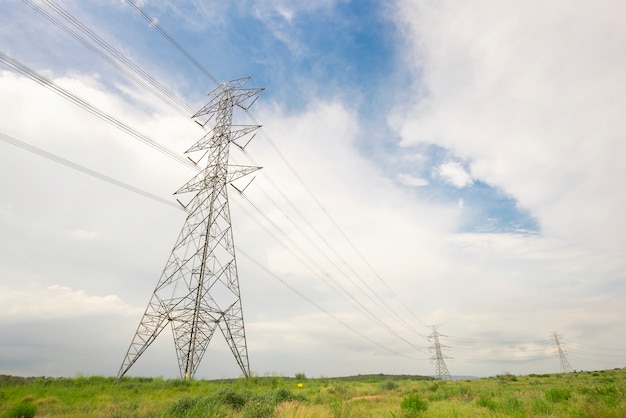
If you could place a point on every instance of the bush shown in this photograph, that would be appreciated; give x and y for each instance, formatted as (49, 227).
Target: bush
(236, 400)
(486, 402)
(281, 395)
(388, 385)
(512, 405)
(541, 407)
(413, 404)
(189, 407)
(558, 394)
(434, 387)
(182, 406)
(21, 410)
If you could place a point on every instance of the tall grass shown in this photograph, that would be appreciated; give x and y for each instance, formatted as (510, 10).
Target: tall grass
(592, 394)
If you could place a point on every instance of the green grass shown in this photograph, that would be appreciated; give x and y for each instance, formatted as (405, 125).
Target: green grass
(583, 394)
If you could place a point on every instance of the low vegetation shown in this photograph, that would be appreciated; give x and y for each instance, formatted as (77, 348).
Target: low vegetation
(579, 394)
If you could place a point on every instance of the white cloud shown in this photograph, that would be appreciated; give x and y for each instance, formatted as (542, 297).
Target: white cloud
(413, 181)
(532, 95)
(81, 234)
(454, 174)
(286, 13)
(33, 303)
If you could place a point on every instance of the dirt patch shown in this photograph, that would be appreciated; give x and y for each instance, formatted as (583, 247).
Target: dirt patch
(357, 398)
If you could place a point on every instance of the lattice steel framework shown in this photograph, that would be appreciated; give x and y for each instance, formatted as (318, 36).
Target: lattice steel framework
(441, 370)
(560, 351)
(198, 291)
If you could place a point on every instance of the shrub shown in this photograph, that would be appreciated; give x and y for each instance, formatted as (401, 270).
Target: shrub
(22, 410)
(388, 385)
(229, 397)
(182, 406)
(558, 394)
(507, 377)
(512, 405)
(413, 404)
(189, 407)
(486, 402)
(434, 386)
(284, 395)
(541, 407)
(258, 408)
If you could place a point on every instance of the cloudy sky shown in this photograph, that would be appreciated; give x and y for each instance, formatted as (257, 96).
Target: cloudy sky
(447, 163)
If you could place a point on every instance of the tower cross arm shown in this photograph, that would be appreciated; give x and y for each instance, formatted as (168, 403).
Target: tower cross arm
(236, 132)
(200, 181)
(237, 97)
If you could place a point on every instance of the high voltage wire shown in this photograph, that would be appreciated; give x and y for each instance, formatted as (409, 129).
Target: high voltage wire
(118, 56)
(299, 179)
(116, 122)
(343, 234)
(75, 99)
(338, 268)
(320, 308)
(482, 340)
(573, 352)
(179, 47)
(167, 36)
(93, 109)
(153, 23)
(354, 300)
(144, 80)
(92, 35)
(67, 163)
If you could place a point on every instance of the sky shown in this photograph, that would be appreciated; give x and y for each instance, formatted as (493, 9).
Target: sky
(447, 164)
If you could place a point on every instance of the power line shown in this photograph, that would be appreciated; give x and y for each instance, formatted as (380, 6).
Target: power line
(137, 69)
(116, 122)
(171, 40)
(352, 299)
(293, 289)
(77, 167)
(344, 235)
(67, 163)
(127, 67)
(154, 24)
(93, 109)
(84, 170)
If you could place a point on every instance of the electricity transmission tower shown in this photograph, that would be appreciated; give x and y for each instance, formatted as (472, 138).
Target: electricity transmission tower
(441, 370)
(198, 291)
(560, 351)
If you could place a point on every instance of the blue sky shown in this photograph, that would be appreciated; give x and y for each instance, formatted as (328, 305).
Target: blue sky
(471, 154)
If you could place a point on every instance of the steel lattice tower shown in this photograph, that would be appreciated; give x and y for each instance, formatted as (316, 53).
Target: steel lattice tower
(198, 291)
(560, 351)
(441, 370)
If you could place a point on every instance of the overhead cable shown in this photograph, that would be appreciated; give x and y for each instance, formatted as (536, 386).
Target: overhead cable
(67, 163)
(94, 110)
(116, 59)
(153, 22)
(10, 140)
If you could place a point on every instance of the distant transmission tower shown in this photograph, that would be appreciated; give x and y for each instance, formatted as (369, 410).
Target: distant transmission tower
(199, 289)
(560, 351)
(441, 370)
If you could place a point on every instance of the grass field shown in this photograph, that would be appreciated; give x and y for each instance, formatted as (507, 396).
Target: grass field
(582, 394)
